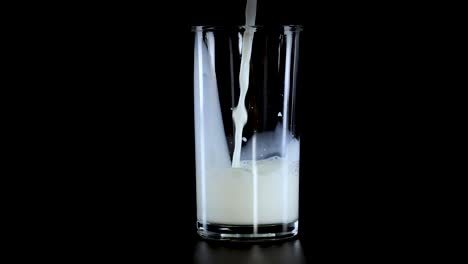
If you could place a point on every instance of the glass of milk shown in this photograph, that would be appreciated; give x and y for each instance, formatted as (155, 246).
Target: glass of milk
(246, 134)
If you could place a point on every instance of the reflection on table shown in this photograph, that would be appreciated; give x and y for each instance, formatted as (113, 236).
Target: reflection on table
(208, 252)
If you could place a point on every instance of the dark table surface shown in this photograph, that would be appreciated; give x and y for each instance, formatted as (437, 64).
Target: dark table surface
(209, 252)
(284, 252)
(137, 237)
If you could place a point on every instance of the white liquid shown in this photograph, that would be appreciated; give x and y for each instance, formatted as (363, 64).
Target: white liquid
(233, 197)
(239, 114)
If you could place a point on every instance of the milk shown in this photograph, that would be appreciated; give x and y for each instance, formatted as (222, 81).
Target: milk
(232, 196)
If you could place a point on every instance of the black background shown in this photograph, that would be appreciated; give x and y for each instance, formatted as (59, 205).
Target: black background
(135, 139)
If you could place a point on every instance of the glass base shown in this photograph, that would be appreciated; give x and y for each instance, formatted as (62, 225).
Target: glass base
(246, 233)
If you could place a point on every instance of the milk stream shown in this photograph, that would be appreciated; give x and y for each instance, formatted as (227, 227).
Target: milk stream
(239, 113)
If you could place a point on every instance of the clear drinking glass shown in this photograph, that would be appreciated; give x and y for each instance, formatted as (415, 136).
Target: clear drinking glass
(254, 194)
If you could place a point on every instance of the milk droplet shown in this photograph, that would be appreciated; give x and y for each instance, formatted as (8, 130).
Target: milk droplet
(279, 114)
(244, 139)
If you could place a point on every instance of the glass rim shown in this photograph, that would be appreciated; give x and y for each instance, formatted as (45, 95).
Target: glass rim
(211, 28)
